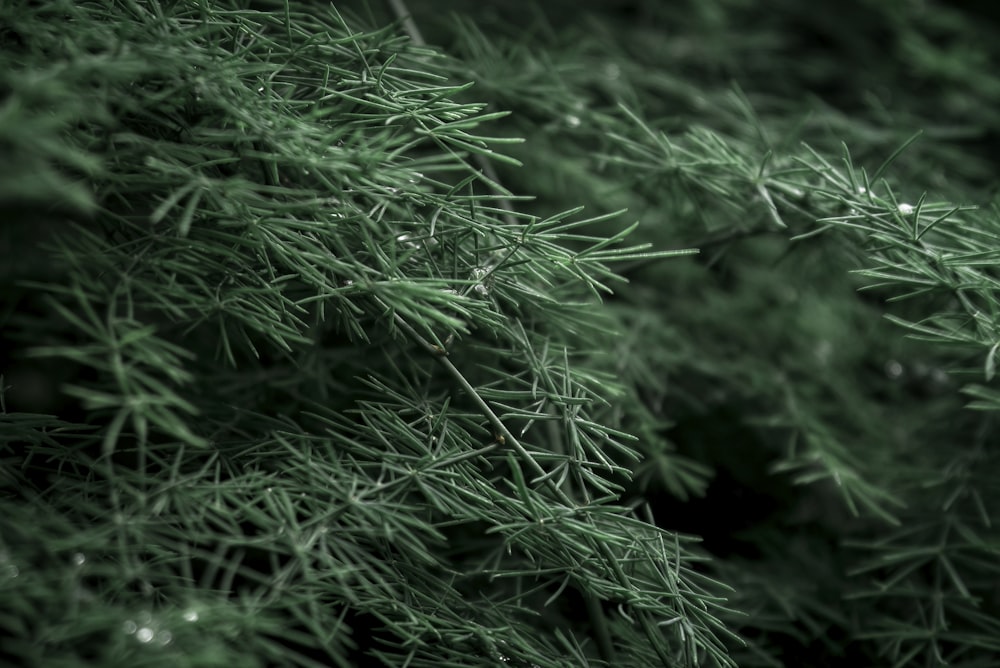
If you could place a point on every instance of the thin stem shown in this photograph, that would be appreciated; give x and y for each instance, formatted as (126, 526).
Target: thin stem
(606, 648)
(601, 631)
(605, 645)
(403, 14)
(406, 18)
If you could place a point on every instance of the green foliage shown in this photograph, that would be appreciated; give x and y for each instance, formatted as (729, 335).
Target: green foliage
(483, 337)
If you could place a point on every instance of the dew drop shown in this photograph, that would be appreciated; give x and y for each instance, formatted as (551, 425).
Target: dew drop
(893, 369)
(79, 559)
(190, 615)
(129, 627)
(144, 634)
(573, 121)
(165, 637)
(906, 209)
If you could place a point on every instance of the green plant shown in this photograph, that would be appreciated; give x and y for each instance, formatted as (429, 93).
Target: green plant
(334, 334)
